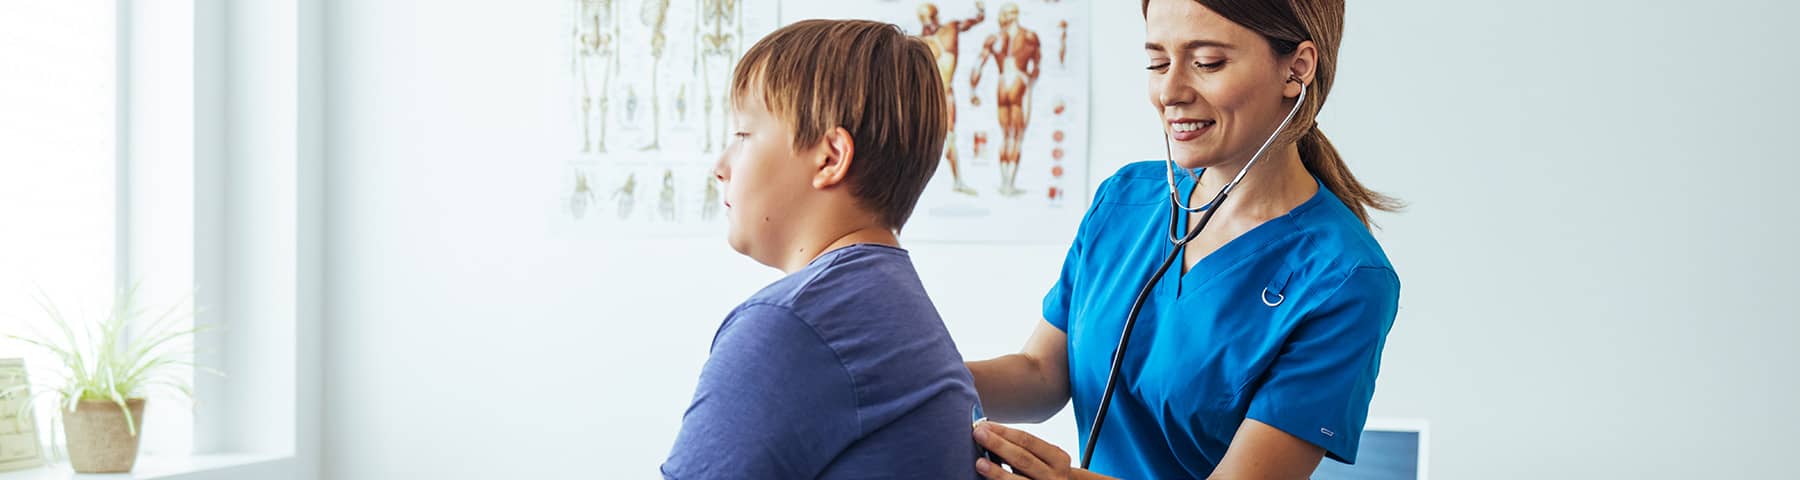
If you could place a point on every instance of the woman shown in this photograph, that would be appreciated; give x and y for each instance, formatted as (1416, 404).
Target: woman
(1257, 357)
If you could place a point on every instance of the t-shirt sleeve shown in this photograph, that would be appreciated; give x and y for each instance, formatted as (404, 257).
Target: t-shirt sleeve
(1056, 302)
(1319, 386)
(773, 401)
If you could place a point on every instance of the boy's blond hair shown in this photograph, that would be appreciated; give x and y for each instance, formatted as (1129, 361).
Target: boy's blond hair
(879, 84)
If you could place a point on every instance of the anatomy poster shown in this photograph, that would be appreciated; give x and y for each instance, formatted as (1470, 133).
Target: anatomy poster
(650, 79)
(1014, 166)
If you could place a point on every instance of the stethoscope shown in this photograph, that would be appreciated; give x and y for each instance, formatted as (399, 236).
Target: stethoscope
(1177, 208)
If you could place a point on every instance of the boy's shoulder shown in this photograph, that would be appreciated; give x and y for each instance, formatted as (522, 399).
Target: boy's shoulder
(853, 297)
(838, 275)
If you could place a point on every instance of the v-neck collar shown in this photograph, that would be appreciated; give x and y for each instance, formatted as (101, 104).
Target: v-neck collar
(1235, 251)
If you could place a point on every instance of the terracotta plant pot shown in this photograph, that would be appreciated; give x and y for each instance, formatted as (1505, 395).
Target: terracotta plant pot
(99, 441)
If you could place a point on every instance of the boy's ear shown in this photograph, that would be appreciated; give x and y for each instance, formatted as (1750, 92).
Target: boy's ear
(834, 162)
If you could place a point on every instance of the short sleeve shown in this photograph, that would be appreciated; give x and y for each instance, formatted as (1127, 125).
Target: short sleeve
(773, 401)
(1056, 302)
(1320, 384)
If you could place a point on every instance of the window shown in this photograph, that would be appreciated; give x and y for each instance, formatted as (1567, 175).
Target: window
(60, 200)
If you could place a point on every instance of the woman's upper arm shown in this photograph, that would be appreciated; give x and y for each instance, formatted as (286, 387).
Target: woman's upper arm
(1048, 351)
(1259, 451)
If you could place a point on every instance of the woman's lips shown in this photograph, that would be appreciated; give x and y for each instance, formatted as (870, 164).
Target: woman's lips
(1185, 129)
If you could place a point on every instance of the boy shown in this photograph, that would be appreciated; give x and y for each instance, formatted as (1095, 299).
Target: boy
(842, 368)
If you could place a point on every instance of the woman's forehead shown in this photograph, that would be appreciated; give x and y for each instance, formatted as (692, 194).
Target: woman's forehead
(1185, 24)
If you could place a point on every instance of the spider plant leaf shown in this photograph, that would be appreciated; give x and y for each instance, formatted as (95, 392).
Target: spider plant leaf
(130, 424)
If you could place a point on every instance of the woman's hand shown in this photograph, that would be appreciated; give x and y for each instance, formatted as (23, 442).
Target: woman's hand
(1030, 456)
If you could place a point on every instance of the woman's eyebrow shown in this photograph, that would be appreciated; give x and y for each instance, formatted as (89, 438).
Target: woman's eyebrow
(1190, 45)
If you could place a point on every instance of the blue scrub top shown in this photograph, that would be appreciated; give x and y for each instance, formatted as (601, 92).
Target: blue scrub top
(1208, 350)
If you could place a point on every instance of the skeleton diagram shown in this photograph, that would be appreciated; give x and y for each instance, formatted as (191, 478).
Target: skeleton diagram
(596, 62)
(626, 195)
(718, 46)
(666, 204)
(583, 196)
(655, 15)
(1016, 54)
(943, 38)
(710, 209)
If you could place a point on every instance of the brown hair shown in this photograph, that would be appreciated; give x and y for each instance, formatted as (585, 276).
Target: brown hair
(1285, 24)
(868, 78)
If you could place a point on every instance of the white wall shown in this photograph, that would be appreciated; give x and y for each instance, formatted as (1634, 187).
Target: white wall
(1593, 280)
(1599, 263)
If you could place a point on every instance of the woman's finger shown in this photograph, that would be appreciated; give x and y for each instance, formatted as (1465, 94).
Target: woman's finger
(991, 471)
(1051, 455)
(989, 435)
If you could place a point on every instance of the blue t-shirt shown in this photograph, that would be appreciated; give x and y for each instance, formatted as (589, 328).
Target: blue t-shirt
(840, 370)
(1284, 324)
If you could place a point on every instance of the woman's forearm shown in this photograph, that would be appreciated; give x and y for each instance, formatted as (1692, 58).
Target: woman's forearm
(1018, 388)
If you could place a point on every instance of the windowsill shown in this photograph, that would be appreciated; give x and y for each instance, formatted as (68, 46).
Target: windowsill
(197, 467)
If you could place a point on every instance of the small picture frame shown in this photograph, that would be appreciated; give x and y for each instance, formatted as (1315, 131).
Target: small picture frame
(19, 447)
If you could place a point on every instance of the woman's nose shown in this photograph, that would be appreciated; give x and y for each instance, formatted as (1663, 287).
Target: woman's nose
(1174, 90)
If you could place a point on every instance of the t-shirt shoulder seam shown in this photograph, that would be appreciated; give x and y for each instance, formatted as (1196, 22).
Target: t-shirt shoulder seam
(855, 387)
(837, 257)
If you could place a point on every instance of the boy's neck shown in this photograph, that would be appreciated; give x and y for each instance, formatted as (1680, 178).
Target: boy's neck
(806, 250)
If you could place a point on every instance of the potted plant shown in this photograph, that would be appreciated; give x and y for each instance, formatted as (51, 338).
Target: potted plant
(106, 372)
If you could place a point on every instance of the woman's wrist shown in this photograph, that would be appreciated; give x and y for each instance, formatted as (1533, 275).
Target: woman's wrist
(1081, 474)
